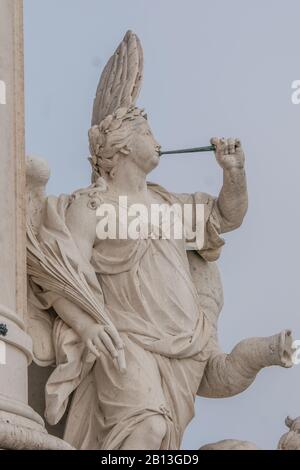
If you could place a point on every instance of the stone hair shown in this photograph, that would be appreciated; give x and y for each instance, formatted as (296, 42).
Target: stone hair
(110, 139)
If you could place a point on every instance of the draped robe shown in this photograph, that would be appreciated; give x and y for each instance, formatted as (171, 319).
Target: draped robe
(148, 293)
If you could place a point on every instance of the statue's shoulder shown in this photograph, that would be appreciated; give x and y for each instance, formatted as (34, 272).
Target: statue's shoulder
(82, 207)
(88, 199)
(161, 191)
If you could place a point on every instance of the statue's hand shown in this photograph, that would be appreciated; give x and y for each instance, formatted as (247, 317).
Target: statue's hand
(229, 153)
(99, 338)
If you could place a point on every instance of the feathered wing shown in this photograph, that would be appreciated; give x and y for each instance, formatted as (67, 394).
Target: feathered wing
(121, 79)
(39, 322)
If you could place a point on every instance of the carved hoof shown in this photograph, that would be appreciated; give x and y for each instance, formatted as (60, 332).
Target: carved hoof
(286, 349)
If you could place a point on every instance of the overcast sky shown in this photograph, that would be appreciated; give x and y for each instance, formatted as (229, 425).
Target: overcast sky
(211, 68)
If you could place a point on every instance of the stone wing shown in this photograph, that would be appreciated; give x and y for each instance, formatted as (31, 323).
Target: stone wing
(121, 79)
(39, 321)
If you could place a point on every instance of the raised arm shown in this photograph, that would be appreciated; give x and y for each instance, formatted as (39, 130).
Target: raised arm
(233, 198)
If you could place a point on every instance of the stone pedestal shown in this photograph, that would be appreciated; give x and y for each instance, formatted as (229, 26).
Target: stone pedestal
(20, 426)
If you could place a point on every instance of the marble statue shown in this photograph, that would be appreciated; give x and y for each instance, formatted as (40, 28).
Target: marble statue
(291, 440)
(130, 325)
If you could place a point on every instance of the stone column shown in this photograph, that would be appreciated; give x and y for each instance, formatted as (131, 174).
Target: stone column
(20, 426)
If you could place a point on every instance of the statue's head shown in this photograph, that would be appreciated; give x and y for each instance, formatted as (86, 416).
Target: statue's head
(124, 134)
(120, 129)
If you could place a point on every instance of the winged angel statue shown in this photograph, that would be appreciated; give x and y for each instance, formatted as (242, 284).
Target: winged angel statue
(130, 325)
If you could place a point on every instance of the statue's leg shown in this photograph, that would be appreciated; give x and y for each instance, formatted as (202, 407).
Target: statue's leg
(149, 407)
(133, 405)
(148, 435)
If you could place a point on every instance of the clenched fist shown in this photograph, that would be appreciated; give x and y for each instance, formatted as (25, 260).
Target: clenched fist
(229, 153)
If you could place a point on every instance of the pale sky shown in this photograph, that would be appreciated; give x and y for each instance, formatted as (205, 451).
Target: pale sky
(212, 68)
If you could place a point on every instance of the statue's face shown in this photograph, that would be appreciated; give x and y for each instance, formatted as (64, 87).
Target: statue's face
(144, 148)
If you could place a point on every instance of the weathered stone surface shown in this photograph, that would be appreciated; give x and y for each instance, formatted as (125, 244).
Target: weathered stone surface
(132, 324)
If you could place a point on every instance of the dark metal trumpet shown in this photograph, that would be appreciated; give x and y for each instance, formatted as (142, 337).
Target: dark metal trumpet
(210, 148)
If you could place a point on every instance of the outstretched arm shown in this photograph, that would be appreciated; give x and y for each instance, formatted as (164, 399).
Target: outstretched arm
(227, 375)
(233, 198)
